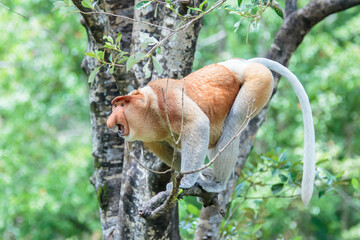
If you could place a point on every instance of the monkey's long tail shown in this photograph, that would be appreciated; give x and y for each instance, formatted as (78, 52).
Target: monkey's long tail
(307, 183)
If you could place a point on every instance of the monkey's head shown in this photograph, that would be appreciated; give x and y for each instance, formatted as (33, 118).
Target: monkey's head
(126, 114)
(118, 117)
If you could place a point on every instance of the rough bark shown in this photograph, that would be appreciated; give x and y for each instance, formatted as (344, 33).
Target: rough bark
(296, 25)
(122, 186)
(107, 149)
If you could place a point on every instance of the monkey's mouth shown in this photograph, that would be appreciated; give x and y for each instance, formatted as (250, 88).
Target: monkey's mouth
(121, 129)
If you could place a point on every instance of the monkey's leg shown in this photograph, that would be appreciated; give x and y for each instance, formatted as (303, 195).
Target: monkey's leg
(252, 97)
(222, 167)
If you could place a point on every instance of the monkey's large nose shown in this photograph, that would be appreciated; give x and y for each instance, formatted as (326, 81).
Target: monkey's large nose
(110, 121)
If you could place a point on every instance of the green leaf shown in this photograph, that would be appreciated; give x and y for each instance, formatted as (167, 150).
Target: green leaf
(195, 9)
(157, 66)
(111, 70)
(93, 74)
(274, 172)
(147, 70)
(142, 4)
(249, 213)
(140, 56)
(156, 9)
(169, 5)
(118, 39)
(355, 183)
(340, 174)
(321, 193)
(239, 189)
(258, 225)
(87, 4)
(193, 210)
(277, 188)
(121, 60)
(237, 25)
(278, 11)
(99, 54)
(146, 40)
(321, 161)
(107, 45)
(131, 61)
(282, 157)
(202, 4)
(109, 38)
(90, 54)
(239, 3)
(158, 50)
(283, 178)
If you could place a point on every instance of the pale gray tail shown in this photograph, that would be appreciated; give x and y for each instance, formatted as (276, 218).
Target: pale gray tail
(309, 138)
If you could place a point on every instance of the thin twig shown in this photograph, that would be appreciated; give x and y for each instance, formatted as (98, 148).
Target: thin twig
(126, 18)
(185, 26)
(131, 154)
(166, 112)
(171, 131)
(273, 196)
(27, 18)
(182, 112)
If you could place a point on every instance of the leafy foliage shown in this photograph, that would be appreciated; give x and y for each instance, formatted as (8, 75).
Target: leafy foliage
(45, 143)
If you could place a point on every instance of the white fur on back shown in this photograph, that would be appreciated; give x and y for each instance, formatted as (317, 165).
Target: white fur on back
(237, 66)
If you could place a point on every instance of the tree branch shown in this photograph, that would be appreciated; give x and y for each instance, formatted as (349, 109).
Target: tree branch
(297, 24)
(290, 6)
(158, 204)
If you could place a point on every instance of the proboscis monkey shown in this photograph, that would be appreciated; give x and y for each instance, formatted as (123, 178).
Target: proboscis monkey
(215, 104)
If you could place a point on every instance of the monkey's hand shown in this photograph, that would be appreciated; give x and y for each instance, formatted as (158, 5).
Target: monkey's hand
(212, 186)
(187, 181)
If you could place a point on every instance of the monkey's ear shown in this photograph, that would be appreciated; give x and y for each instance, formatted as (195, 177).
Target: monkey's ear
(129, 98)
(118, 98)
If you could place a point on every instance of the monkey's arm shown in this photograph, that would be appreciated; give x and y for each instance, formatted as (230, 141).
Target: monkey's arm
(194, 141)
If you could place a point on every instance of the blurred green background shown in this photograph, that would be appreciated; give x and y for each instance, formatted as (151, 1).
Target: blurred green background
(45, 132)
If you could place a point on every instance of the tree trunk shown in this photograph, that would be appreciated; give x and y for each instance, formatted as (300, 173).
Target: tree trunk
(121, 185)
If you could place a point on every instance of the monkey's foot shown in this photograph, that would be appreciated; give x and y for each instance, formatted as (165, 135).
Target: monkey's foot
(186, 182)
(170, 186)
(212, 186)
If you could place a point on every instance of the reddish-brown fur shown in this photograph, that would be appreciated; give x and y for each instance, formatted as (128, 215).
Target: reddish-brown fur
(213, 89)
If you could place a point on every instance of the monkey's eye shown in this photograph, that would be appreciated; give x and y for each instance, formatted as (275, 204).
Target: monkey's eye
(115, 105)
(122, 104)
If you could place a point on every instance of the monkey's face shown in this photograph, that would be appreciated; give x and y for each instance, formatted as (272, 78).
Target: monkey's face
(118, 117)
(127, 115)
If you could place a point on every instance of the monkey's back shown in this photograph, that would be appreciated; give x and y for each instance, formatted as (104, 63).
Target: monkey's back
(213, 88)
